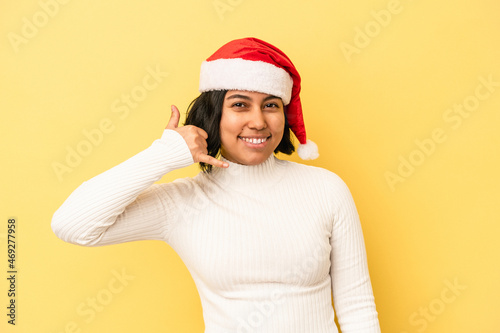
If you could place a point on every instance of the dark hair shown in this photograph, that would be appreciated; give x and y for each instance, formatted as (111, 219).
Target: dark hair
(205, 112)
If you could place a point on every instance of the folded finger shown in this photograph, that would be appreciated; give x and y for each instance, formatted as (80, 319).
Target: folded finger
(212, 161)
(203, 133)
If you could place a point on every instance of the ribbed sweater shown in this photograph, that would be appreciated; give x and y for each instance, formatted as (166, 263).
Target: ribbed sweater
(266, 245)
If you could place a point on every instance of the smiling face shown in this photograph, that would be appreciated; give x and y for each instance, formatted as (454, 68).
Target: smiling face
(251, 126)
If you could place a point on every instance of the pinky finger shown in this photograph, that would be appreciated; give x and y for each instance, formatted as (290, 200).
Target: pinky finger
(212, 161)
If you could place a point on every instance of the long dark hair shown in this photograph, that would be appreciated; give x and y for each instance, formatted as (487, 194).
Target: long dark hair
(205, 112)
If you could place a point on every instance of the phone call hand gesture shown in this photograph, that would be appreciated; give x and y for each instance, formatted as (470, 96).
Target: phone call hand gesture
(196, 139)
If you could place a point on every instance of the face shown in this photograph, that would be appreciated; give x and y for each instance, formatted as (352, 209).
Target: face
(251, 126)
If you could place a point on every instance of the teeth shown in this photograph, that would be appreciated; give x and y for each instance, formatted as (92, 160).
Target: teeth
(254, 141)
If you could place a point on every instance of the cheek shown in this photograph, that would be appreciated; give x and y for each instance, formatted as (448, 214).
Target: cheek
(229, 127)
(278, 124)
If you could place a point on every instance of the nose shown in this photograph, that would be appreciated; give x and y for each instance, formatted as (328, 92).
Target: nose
(257, 119)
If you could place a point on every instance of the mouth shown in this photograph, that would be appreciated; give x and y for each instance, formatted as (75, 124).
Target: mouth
(255, 141)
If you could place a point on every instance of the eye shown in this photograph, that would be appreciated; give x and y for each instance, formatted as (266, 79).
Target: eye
(238, 105)
(272, 105)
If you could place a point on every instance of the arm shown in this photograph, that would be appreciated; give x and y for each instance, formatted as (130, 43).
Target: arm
(352, 291)
(120, 205)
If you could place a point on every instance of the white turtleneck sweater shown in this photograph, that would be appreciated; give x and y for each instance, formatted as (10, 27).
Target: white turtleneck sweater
(265, 244)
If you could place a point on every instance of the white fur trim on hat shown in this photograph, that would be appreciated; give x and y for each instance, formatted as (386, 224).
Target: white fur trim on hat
(241, 74)
(308, 151)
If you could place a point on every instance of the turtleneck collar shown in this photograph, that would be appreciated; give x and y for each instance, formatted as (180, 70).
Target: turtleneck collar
(265, 174)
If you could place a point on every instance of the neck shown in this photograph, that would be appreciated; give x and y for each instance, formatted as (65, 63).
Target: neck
(261, 175)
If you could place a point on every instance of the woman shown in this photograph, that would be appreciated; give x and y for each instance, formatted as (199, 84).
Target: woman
(267, 241)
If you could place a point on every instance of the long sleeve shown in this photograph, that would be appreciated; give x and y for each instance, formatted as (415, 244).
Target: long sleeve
(352, 291)
(121, 205)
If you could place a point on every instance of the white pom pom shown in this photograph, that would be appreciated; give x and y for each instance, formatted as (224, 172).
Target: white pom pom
(308, 151)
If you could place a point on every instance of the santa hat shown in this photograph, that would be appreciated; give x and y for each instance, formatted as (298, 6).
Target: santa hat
(254, 65)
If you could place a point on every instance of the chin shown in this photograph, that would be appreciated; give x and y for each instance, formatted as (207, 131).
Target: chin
(256, 161)
(250, 160)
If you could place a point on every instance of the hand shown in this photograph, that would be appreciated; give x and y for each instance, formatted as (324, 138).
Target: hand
(196, 139)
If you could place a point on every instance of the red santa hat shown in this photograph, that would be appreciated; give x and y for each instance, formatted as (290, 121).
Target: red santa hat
(254, 65)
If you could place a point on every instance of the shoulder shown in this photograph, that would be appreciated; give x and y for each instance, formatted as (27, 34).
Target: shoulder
(187, 186)
(320, 186)
(332, 187)
(176, 189)
(313, 174)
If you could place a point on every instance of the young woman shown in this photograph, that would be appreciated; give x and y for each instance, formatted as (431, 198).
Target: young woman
(267, 241)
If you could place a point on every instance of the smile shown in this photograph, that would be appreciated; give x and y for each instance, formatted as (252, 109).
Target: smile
(254, 141)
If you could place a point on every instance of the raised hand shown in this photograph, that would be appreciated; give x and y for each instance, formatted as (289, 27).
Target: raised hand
(196, 139)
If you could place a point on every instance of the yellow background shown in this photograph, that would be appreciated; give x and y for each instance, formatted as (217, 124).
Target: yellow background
(436, 226)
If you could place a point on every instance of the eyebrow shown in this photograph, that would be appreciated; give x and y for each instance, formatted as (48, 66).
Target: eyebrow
(249, 98)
